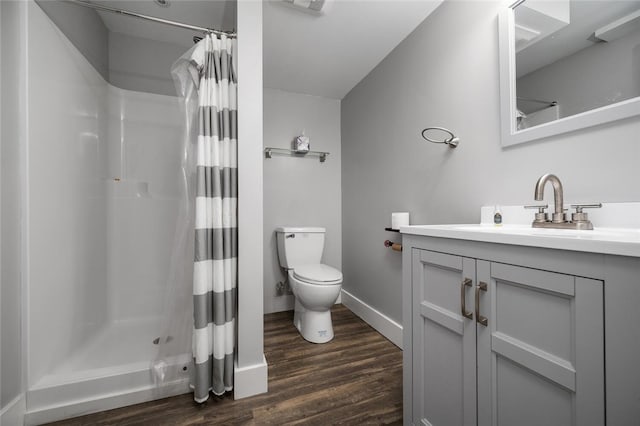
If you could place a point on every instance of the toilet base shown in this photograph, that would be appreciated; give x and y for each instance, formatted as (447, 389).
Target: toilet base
(314, 326)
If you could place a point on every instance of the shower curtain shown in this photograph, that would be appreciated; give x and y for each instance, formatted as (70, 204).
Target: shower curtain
(206, 79)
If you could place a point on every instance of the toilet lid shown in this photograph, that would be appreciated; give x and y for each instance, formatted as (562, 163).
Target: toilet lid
(318, 273)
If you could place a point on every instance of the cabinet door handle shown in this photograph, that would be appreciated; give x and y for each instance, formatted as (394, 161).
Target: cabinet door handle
(463, 308)
(479, 318)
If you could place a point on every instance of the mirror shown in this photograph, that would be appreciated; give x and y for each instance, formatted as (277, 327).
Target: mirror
(567, 65)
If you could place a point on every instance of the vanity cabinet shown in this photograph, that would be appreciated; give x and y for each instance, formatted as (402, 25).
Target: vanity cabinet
(500, 344)
(559, 346)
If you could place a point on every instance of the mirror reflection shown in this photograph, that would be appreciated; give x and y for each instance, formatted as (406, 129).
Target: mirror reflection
(574, 56)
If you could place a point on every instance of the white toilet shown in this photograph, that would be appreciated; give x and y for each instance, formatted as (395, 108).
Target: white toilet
(315, 286)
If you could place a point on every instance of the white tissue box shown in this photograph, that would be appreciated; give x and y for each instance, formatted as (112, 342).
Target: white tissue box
(399, 219)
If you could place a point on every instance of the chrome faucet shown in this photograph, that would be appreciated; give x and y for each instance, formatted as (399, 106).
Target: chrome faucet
(558, 197)
(579, 219)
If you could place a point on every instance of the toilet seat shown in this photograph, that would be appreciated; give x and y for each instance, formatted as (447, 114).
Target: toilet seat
(318, 274)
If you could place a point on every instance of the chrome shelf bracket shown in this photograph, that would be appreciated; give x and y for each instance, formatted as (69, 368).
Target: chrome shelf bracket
(269, 151)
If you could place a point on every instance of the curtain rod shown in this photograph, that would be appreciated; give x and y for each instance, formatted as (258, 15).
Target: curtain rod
(151, 18)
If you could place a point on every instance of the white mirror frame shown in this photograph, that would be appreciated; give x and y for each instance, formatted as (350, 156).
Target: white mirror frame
(511, 136)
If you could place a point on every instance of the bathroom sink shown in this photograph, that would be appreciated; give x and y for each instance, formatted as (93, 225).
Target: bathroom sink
(619, 241)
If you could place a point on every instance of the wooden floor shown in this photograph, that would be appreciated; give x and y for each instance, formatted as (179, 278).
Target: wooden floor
(354, 379)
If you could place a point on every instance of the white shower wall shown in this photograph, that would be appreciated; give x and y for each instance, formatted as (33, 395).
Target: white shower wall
(143, 194)
(66, 197)
(103, 185)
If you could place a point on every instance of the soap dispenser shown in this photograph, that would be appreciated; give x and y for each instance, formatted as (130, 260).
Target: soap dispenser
(497, 216)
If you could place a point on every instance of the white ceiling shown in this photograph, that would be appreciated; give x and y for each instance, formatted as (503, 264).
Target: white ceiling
(325, 55)
(328, 55)
(217, 14)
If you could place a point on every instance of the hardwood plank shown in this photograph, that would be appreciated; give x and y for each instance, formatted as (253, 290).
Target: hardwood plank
(354, 379)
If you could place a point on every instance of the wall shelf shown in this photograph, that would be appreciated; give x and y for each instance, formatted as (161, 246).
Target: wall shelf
(391, 230)
(269, 151)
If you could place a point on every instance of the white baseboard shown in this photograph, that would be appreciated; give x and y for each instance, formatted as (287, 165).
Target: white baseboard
(12, 414)
(376, 319)
(251, 380)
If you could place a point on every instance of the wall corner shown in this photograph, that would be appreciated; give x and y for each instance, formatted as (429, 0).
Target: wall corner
(250, 361)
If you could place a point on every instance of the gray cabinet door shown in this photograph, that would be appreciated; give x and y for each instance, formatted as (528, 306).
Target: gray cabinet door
(444, 341)
(541, 354)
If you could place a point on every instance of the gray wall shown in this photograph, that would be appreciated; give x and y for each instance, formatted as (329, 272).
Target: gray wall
(141, 64)
(10, 295)
(300, 191)
(446, 74)
(591, 78)
(84, 28)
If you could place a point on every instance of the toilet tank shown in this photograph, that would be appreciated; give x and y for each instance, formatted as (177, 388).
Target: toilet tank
(299, 246)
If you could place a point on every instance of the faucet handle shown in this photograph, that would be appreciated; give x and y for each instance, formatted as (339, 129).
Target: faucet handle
(579, 207)
(541, 208)
(541, 216)
(579, 216)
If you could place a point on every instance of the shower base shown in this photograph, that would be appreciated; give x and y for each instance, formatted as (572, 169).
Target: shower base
(112, 370)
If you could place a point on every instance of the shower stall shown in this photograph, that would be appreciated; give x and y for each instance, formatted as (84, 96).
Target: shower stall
(107, 313)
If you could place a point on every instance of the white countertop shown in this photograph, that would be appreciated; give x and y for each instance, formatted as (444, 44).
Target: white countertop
(606, 240)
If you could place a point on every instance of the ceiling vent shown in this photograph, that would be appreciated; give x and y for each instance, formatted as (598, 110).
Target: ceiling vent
(313, 7)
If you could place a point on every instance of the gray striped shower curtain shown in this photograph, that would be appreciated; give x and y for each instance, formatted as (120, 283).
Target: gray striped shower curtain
(212, 70)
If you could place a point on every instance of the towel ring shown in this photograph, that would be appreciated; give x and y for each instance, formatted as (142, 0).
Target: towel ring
(453, 141)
